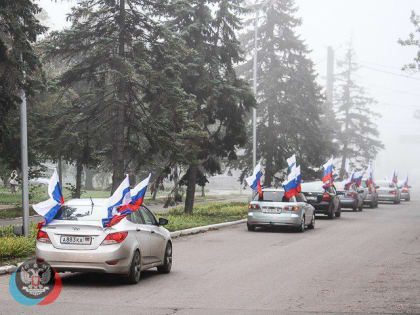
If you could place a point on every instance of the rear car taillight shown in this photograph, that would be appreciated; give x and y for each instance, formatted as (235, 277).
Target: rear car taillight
(326, 197)
(393, 192)
(43, 237)
(351, 195)
(114, 238)
(405, 191)
(291, 208)
(252, 207)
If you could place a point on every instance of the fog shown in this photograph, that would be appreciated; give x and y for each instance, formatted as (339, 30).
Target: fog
(374, 27)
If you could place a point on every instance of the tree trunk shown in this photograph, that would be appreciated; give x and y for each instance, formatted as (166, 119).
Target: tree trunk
(89, 174)
(118, 139)
(203, 193)
(177, 195)
(192, 179)
(155, 190)
(79, 170)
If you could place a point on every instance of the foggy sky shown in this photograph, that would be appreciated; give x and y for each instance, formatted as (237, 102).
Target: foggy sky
(373, 26)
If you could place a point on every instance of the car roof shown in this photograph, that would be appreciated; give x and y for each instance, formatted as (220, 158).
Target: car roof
(272, 189)
(87, 202)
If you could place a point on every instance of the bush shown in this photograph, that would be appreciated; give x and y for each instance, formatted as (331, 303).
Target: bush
(12, 246)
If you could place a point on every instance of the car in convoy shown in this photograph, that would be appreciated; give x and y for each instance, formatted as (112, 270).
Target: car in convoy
(370, 196)
(405, 192)
(75, 241)
(324, 200)
(273, 209)
(388, 191)
(351, 198)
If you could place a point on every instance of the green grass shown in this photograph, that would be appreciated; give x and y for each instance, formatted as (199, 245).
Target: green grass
(205, 214)
(13, 247)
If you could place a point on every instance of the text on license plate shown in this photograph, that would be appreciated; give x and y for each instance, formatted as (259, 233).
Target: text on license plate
(78, 240)
(271, 210)
(311, 198)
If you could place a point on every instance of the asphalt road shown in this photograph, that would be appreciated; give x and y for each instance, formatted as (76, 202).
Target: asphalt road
(366, 262)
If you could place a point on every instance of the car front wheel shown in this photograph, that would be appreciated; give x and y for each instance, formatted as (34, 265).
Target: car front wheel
(167, 260)
(301, 227)
(312, 224)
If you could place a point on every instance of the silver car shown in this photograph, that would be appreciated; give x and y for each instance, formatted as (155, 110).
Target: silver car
(405, 192)
(388, 191)
(274, 210)
(351, 198)
(76, 241)
(371, 195)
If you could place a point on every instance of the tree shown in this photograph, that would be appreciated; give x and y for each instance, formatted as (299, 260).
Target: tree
(221, 100)
(19, 69)
(413, 41)
(358, 136)
(129, 63)
(290, 113)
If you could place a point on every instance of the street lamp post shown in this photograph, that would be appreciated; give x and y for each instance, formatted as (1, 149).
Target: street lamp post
(254, 111)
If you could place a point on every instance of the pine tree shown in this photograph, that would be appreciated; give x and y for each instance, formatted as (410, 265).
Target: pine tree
(20, 68)
(129, 62)
(358, 136)
(221, 99)
(290, 104)
(413, 40)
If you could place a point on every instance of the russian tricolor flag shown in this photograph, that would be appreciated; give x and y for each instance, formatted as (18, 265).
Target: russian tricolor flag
(395, 177)
(405, 185)
(349, 182)
(290, 187)
(358, 176)
(49, 208)
(295, 174)
(254, 181)
(327, 177)
(291, 161)
(130, 202)
(120, 197)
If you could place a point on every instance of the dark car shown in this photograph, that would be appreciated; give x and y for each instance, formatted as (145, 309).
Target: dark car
(351, 198)
(324, 200)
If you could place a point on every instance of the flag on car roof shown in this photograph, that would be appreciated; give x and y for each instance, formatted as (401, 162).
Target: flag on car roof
(254, 181)
(136, 200)
(120, 197)
(405, 185)
(290, 187)
(291, 161)
(49, 208)
(295, 174)
(358, 176)
(395, 177)
(349, 181)
(327, 177)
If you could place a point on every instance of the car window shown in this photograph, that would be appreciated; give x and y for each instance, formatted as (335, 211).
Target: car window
(301, 198)
(274, 196)
(148, 217)
(312, 187)
(81, 213)
(136, 217)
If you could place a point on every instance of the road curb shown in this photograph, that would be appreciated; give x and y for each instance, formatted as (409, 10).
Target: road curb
(205, 228)
(200, 229)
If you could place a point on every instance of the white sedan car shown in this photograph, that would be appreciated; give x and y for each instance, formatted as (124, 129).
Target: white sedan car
(76, 241)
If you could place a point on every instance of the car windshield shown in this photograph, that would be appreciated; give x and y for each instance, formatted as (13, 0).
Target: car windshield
(273, 196)
(312, 187)
(339, 186)
(81, 213)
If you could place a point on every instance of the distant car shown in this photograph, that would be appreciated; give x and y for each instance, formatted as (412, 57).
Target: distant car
(351, 198)
(371, 195)
(388, 191)
(325, 201)
(76, 241)
(405, 192)
(274, 210)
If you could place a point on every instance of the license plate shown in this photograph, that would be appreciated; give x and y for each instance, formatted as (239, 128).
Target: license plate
(311, 198)
(75, 240)
(271, 210)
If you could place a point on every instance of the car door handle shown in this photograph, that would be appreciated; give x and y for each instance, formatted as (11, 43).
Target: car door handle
(138, 229)
(152, 231)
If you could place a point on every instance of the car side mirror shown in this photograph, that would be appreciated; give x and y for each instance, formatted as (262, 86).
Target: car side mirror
(377, 187)
(361, 191)
(409, 187)
(163, 221)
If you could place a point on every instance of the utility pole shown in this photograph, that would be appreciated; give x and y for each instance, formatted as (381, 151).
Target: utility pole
(24, 160)
(348, 105)
(254, 111)
(330, 77)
